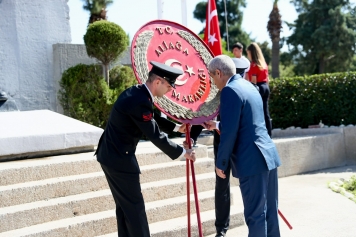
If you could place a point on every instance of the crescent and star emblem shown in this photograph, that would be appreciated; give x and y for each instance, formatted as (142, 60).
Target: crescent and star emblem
(175, 63)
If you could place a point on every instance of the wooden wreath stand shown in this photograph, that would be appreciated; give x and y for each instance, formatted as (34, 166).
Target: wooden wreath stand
(187, 139)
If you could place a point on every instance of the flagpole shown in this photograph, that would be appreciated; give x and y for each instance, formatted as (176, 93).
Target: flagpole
(209, 10)
(184, 13)
(227, 32)
(159, 9)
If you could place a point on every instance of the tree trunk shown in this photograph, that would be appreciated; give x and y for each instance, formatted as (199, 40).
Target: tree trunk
(275, 58)
(106, 73)
(321, 65)
(97, 16)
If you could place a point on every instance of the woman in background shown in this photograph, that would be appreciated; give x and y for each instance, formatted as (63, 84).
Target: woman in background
(258, 75)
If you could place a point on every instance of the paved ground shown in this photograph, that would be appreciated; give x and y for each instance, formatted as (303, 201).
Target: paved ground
(311, 207)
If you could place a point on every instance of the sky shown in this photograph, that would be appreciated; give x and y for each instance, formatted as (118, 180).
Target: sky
(132, 14)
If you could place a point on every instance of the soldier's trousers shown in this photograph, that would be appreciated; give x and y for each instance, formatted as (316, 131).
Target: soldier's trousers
(130, 207)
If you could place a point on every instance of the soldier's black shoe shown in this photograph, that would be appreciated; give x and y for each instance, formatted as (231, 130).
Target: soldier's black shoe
(220, 234)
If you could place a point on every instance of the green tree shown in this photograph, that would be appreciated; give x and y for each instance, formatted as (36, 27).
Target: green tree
(121, 78)
(353, 64)
(97, 9)
(286, 66)
(324, 36)
(274, 27)
(234, 19)
(105, 41)
(266, 51)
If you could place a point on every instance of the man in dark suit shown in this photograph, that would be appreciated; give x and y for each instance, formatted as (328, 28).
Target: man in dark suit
(244, 142)
(222, 186)
(132, 116)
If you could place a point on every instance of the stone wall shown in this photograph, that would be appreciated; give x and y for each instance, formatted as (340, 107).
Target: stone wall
(305, 150)
(350, 145)
(28, 29)
(343, 139)
(305, 154)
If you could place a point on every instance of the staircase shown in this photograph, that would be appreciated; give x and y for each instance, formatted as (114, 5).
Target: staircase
(68, 195)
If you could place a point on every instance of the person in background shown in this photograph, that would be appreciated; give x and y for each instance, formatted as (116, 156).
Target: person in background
(132, 116)
(195, 131)
(237, 50)
(258, 75)
(241, 64)
(246, 147)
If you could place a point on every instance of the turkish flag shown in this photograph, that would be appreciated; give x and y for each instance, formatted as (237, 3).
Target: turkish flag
(212, 31)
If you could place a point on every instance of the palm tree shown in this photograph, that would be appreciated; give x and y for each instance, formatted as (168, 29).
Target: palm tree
(274, 27)
(97, 9)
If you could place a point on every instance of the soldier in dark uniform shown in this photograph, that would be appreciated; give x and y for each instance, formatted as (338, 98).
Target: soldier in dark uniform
(132, 116)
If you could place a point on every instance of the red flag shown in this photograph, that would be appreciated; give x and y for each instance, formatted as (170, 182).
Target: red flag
(212, 31)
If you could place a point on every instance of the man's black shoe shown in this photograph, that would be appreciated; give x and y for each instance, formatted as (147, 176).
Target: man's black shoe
(220, 235)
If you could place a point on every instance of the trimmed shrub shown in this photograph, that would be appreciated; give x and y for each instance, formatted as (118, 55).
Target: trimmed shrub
(304, 101)
(84, 94)
(122, 77)
(105, 41)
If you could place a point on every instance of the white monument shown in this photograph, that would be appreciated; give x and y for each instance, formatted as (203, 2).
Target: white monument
(28, 29)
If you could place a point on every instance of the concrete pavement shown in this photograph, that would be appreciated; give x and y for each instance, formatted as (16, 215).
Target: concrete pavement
(312, 208)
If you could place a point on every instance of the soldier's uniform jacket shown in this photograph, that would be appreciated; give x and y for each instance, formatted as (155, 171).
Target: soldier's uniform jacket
(131, 116)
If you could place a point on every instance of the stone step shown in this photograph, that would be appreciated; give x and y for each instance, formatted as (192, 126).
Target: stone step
(104, 224)
(71, 185)
(48, 167)
(65, 165)
(177, 227)
(170, 188)
(28, 214)
(169, 170)
(86, 225)
(16, 194)
(20, 216)
(147, 153)
(176, 207)
(210, 151)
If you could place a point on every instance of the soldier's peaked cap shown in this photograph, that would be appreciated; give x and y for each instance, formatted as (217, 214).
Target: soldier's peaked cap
(241, 63)
(170, 74)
